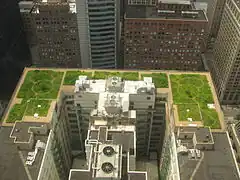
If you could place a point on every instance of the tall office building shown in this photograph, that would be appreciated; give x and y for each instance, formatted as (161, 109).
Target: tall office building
(217, 17)
(98, 27)
(226, 64)
(113, 128)
(91, 97)
(169, 36)
(51, 28)
(69, 33)
(14, 52)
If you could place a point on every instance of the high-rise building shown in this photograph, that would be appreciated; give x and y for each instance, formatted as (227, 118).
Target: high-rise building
(14, 52)
(123, 125)
(217, 17)
(124, 96)
(51, 28)
(169, 36)
(69, 33)
(225, 67)
(98, 27)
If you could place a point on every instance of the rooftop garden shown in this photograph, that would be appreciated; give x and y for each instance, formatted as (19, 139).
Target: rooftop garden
(37, 106)
(17, 112)
(132, 76)
(36, 92)
(159, 79)
(192, 94)
(41, 84)
(72, 76)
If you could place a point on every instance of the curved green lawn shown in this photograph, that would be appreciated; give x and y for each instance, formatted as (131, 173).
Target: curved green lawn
(39, 88)
(41, 84)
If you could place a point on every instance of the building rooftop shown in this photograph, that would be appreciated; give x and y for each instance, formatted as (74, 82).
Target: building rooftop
(51, 82)
(149, 12)
(21, 131)
(10, 156)
(14, 159)
(137, 176)
(214, 164)
(202, 134)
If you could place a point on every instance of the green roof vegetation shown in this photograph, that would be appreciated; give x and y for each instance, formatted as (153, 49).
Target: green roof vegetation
(37, 106)
(72, 76)
(41, 84)
(104, 75)
(17, 112)
(159, 79)
(125, 75)
(186, 111)
(37, 91)
(28, 108)
(131, 76)
(189, 89)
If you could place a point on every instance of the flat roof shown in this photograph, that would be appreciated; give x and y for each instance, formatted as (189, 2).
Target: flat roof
(76, 174)
(70, 88)
(11, 166)
(12, 161)
(137, 176)
(203, 134)
(150, 12)
(217, 164)
(21, 130)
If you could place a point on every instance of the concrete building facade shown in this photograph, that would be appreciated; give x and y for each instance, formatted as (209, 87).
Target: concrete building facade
(171, 36)
(91, 94)
(217, 17)
(226, 64)
(51, 29)
(69, 33)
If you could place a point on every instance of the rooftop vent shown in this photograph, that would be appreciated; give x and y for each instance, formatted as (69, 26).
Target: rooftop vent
(114, 78)
(113, 97)
(112, 102)
(107, 167)
(108, 151)
(114, 83)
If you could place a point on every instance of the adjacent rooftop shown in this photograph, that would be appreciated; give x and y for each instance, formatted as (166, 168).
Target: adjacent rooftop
(210, 162)
(14, 166)
(142, 11)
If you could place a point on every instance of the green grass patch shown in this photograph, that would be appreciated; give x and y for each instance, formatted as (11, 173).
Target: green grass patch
(194, 89)
(72, 76)
(186, 111)
(211, 118)
(17, 112)
(28, 108)
(104, 75)
(41, 84)
(38, 84)
(159, 79)
(133, 76)
(40, 107)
